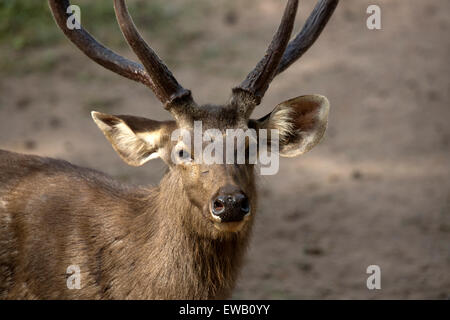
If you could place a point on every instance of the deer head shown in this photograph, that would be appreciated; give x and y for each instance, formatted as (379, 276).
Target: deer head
(224, 193)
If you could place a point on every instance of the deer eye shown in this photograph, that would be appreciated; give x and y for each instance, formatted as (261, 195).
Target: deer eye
(184, 155)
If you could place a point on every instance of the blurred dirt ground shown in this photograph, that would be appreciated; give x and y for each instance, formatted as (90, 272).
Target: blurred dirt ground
(375, 191)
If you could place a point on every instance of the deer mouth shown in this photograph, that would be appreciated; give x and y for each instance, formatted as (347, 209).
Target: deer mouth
(229, 208)
(229, 226)
(226, 221)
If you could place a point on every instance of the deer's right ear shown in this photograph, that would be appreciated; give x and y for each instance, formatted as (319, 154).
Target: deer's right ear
(136, 140)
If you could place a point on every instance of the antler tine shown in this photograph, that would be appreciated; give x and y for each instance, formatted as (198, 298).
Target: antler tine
(308, 35)
(154, 74)
(164, 84)
(258, 79)
(95, 50)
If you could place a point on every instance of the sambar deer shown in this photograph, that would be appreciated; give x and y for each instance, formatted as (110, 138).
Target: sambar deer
(184, 239)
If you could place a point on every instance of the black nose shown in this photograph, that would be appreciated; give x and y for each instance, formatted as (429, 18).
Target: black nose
(230, 206)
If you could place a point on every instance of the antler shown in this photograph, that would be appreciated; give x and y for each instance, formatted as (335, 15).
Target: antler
(154, 74)
(313, 27)
(280, 55)
(165, 86)
(258, 79)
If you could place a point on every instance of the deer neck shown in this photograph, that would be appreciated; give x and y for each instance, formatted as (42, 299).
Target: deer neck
(191, 264)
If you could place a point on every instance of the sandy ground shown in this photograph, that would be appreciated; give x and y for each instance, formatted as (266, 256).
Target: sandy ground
(376, 190)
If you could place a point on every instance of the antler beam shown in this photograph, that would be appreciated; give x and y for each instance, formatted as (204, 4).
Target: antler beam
(258, 79)
(281, 54)
(308, 35)
(164, 84)
(154, 74)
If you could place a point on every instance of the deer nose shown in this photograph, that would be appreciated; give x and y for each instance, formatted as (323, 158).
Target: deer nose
(230, 207)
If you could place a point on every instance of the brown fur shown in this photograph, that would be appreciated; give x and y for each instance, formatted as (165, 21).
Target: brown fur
(148, 243)
(129, 242)
(134, 242)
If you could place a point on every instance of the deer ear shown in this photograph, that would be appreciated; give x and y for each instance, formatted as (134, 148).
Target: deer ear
(136, 140)
(301, 123)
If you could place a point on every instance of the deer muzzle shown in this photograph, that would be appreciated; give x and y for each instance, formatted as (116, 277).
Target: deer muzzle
(230, 205)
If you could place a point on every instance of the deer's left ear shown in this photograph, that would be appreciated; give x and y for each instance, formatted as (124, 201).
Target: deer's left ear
(301, 123)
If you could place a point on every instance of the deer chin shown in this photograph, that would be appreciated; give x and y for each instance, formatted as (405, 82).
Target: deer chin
(234, 226)
(229, 226)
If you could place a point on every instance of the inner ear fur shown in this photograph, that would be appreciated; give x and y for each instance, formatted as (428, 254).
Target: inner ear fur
(301, 123)
(135, 139)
